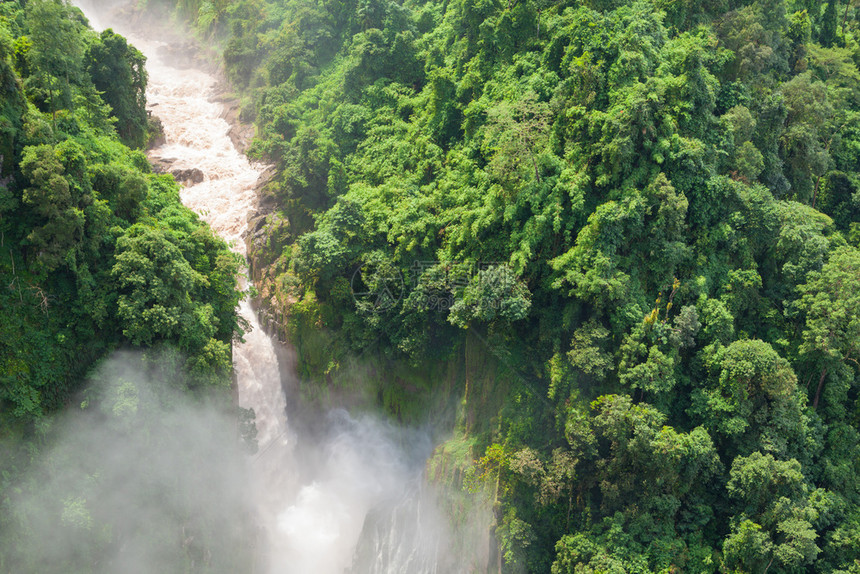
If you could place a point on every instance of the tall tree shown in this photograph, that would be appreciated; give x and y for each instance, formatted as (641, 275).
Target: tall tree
(56, 55)
(831, 303)
(827, 36)
(117, 70)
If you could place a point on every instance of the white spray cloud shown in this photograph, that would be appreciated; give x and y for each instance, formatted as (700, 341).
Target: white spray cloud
(356, 467)
(141, 479)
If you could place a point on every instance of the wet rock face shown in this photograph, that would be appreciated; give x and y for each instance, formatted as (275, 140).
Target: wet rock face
(241, 133)
(185, 176)
(162, 165)
(188, 177)
(268, 233)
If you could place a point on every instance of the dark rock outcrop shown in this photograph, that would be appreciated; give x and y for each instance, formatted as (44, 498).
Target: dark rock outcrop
(185, 176)
(188, 177)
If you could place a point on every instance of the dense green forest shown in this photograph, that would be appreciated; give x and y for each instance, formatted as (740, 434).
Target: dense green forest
(96, 254)
(97, 251)
(624, 234)
(622, 237)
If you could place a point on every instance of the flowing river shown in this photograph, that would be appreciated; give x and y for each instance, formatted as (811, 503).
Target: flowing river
(350, 498)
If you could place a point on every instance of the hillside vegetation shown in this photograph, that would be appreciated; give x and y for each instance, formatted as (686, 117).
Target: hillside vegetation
(622, 236)
(624, 233)
(97, 251)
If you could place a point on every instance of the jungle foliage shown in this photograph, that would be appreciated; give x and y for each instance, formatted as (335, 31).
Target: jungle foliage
(98, 254)
(648, 213)
(645, 213)
(97, 251)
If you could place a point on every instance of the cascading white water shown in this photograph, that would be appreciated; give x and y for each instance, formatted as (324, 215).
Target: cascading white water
(354, 501)
(197, 138)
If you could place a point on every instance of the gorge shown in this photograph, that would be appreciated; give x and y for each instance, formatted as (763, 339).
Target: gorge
(568, 287)
(348, 495)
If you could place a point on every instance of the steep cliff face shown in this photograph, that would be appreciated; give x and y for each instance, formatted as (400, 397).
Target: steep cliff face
(268, 234)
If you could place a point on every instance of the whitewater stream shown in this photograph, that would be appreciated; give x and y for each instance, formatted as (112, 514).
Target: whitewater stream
(349, 499)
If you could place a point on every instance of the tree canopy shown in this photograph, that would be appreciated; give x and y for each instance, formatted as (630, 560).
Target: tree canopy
(632, 227)
(624, 235)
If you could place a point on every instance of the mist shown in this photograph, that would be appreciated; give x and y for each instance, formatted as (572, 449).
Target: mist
(137, 477)
(175, 489)
(140, 476)
(102, 13)
(358, 503)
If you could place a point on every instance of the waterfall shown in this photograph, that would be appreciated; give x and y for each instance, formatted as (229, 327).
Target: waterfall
(352, 497)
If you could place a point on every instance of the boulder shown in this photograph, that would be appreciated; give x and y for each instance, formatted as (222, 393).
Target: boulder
(188, 177)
